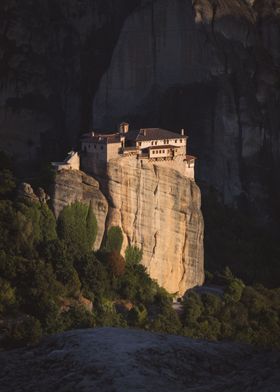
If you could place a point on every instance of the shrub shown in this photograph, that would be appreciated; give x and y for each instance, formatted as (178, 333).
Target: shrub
(133, 255)
(93, 275)
(193, 308)
(26, 331)
(167, 321)
(116, 263)
(47, 224)
(234, 290)
(137, 316)
(114, 239)
(7, 182)
(78, 317)
(7, 295)
(77, 226)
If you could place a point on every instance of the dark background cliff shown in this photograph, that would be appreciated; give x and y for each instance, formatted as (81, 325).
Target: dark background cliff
(210, 66)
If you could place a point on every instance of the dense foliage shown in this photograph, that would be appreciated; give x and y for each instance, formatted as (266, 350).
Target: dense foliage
(51, 280)
(248, 314)
(114, 239)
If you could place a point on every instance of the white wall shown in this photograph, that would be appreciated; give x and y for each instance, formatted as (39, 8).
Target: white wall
(174, 142)
(74, 162)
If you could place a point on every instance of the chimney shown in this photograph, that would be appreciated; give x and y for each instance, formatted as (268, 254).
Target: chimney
(143, 132)
(182, 132)
(124, 127)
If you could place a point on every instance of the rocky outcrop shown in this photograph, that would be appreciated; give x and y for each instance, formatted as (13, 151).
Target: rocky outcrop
(73, 185)
(158, 210)
(211, 67)
(25, 192)
(123, 360)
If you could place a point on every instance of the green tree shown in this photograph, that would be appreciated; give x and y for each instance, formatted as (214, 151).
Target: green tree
(133, 255)
(137, 316)
(7, 182)
(77, 227)
(7, 295)
(114, 239)
(234, 290)
(93, 275)
(116, 263)
(47, 224)
(193, 308)
(25, 331)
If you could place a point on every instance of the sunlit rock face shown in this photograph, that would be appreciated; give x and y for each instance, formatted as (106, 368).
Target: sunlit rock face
(72, 186)
(209, 67)
(158, 210)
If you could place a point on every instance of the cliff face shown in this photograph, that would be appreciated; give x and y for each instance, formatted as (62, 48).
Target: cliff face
(53, 54)
(157, 209)
(212, 68)
(71, 186)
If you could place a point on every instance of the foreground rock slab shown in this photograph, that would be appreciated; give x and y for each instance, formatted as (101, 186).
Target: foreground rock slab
(120, 360)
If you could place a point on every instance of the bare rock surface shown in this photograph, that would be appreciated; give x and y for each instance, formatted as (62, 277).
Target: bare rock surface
(123, 360)
(211, 67)
(158, 210)
(73, 185)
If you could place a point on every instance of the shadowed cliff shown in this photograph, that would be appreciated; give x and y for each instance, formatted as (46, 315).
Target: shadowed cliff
(212, 68)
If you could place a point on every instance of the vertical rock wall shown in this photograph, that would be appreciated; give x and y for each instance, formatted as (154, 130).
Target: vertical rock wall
(158, 210)
(211, 67)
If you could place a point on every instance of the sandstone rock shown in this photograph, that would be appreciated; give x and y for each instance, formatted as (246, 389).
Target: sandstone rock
(211, 67)
(158, 210)
(26, 192)
(42, 196)
(71, 186)
(123, 360)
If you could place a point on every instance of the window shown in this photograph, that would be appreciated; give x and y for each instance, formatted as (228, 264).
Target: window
(139, 144)
(167, 141)
(89, 146)
(94, 146)
(152, 143)
(156, 143)
(163, 151)
(180, 140)
(176, 140)
(101, 147)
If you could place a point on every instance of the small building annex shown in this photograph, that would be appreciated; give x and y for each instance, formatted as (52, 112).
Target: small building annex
(71, 162)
